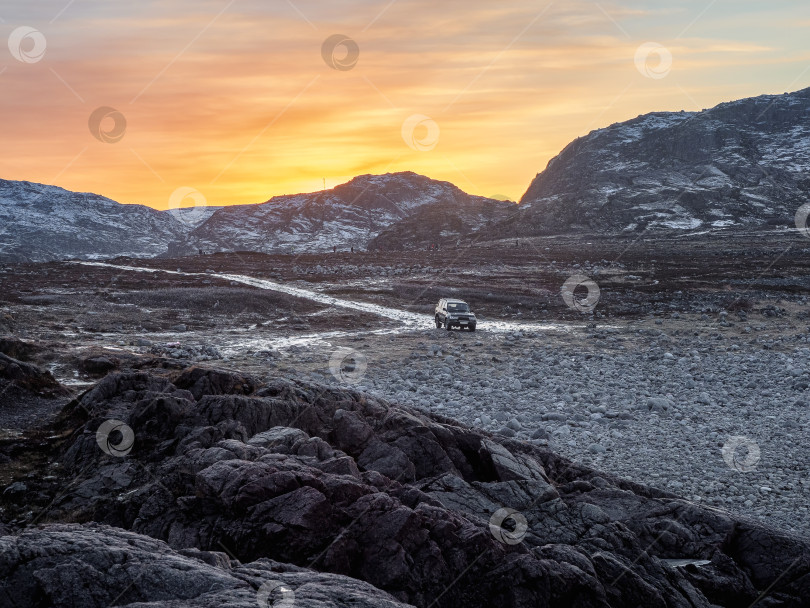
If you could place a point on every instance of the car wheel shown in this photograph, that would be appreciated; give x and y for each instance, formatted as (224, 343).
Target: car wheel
(438, 323)
(447, 323)
(472, 327)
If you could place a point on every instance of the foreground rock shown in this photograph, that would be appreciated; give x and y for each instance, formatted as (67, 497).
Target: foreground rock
(29, 395)
(421, 507)
(91, 565)
(27, 377)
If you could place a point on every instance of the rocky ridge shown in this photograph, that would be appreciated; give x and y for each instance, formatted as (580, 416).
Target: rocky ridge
(368, 211)
(340, 482)
(741, 165)
(40, 223)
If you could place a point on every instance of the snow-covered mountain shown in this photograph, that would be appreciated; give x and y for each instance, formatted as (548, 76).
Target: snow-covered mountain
(40, 223)
(740, 165)
(350, 215)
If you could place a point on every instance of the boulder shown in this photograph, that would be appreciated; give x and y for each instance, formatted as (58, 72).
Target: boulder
(92, 566)
(29, 378)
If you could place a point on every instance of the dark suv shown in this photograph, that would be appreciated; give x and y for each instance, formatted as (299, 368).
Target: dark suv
(454, 313)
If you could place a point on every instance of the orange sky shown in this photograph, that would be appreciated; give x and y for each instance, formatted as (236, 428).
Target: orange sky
(235, 100)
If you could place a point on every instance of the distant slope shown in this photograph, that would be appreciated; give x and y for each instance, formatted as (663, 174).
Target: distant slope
(445, 223)
(369, 208)
(401, 210)
(744, 164)
(40, 223)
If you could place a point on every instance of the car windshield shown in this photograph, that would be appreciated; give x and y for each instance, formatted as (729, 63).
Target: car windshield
(457, 307)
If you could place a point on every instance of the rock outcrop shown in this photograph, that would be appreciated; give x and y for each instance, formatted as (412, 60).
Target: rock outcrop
(89, 565)
(740, 165)
(27, 377)
(427, 511)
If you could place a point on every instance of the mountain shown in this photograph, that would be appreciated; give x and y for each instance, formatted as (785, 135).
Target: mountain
(381, 209)
(742, 165)
(400, 210)
(40, 223)
(445, 223)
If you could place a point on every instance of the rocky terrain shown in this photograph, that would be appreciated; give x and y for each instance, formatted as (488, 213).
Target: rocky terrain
(256, 483)
(96, 565)
(740, 165)
(299, 426)
(279, 424)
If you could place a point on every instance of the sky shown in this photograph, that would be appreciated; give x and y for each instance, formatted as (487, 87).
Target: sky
(224, 102)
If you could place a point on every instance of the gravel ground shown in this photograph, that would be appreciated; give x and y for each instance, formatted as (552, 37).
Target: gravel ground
(653, 405)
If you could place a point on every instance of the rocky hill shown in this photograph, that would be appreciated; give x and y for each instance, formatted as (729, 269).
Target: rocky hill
(40, 223)
(382, 209)
(193, 216)
(445, 223)
(740, 165)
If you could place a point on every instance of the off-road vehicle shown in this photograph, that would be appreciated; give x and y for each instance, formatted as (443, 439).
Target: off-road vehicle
(454, 313)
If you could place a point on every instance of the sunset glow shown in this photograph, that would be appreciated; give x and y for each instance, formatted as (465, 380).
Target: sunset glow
(234, 98)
